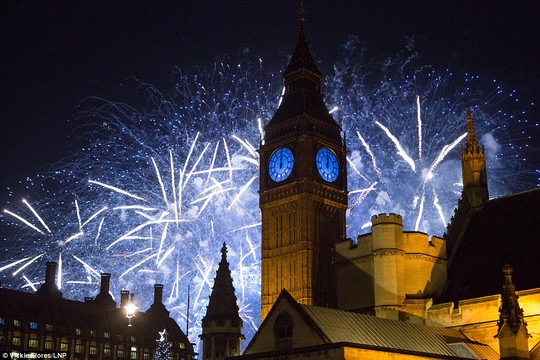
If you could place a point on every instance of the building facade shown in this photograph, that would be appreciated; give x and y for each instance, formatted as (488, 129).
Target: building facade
(443, 284)
(95, 329)
(303, 189)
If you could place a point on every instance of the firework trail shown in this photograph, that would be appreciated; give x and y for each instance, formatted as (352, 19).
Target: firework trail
(410, 123)
(157, 187)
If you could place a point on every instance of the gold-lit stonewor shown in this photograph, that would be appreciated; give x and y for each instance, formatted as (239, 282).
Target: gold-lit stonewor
(303, 189)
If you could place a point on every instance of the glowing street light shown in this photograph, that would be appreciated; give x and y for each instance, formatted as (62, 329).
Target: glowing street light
(131, 308)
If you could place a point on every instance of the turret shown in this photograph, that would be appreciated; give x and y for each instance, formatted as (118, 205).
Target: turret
(473, 164)
(512, 328)
(388, 266)
(222, 326)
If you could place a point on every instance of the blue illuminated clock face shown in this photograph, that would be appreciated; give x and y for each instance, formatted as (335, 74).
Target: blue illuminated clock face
(327, 164)
(281, 164)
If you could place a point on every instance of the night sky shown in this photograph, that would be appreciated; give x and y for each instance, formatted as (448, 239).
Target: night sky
(55, 54)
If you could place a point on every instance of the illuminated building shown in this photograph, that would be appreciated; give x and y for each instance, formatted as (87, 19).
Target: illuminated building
(389, 293)
(93, 329)
(303, 190)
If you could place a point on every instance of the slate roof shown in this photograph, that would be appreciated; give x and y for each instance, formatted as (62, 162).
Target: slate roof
(303, 96)
(223, 303)
(346, 327)
(505, 231)
(338, 328)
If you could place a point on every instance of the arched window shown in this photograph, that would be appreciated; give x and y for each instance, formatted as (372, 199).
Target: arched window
(64, 344)
(49, 342)
(283, 330)
(79, 346)
(33, 341)
(107, 350)
(16, 341)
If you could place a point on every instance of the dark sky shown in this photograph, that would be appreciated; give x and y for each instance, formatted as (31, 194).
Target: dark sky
(54, 54)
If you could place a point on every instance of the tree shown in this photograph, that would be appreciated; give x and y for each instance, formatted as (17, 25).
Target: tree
(163, 346)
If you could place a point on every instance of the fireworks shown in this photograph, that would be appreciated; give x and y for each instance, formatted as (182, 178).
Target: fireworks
(158, 187)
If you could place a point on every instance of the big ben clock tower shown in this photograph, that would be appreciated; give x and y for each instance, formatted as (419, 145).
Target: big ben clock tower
(303, 189)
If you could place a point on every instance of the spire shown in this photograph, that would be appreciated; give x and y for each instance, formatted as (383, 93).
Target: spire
(222, 304)
(221, 326)
(473, 164)
(511, 314)
(302, 95)
(472, 146)
(511, 327)
(301, 58)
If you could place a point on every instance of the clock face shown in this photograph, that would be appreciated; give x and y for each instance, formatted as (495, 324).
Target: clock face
(327, 164)
(281, 164)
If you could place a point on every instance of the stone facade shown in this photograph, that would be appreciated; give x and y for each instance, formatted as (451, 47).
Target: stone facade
(378, 272)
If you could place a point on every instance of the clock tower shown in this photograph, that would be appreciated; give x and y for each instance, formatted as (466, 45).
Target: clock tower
(303, 189)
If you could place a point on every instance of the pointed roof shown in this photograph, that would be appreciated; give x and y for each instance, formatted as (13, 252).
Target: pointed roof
(303, 82)
(511, 314)
(343, 328)
(471, 146)
(222, 304)
(301, 58)
(504, 231)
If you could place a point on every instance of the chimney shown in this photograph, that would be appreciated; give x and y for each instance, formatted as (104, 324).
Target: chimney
(49, 287)
(124, 298)
(157, 308)
(50, 273)
(105, 283)
(158, 294)
(104, 298)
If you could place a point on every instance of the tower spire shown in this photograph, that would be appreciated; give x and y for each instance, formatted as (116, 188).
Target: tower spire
(222, 325)
(303, 82)
(222, 301)
(472, 141)
(512, 328)
(301, 15)
(511, 314)
(301, 58)
(473, 164)
(303, 188)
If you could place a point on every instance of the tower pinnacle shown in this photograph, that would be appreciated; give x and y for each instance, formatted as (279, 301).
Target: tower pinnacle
(302, 95)
(222, 301)
(301, 58)
(512, 328)
(473, 164)
(301, 15)
(511, 314)
(222, 325)
(472, 142)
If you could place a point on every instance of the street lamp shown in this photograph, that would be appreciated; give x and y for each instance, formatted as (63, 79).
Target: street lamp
(131, 308)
